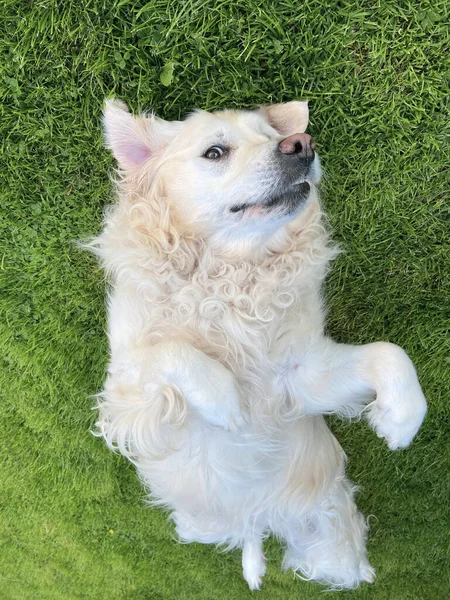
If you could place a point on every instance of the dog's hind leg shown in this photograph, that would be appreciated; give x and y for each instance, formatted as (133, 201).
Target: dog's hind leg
(330, 547)
(253, 561)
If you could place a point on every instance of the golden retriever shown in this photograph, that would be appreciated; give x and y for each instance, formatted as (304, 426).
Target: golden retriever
(220, 372)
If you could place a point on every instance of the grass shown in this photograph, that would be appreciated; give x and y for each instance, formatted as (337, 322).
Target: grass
(73, 524)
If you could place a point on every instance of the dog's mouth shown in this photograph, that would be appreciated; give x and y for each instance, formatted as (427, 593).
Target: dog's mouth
(287, 201)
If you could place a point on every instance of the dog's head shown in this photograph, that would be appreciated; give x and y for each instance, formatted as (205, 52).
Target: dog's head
(232, 174)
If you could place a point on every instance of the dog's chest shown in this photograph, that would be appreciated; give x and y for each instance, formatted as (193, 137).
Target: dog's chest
(234, 312)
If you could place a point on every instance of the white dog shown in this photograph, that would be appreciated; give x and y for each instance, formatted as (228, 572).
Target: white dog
(220, 372)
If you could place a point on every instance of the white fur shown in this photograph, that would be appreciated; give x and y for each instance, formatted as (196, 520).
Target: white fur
(220, 372)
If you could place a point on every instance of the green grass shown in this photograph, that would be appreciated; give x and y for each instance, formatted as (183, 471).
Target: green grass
(73, 524)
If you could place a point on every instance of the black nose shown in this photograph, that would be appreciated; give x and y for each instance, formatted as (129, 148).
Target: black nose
(300, 144)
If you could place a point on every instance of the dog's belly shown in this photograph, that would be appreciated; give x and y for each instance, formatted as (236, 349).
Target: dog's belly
(218, 483)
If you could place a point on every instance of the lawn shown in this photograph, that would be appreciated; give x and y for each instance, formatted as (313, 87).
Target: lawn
(73, 524)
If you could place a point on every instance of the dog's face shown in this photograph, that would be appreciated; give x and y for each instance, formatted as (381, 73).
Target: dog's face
(235, 174)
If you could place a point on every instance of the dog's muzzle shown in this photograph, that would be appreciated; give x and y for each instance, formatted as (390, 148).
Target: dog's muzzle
(293, 158)
(295, 155)
(298, 147)
(287, 200)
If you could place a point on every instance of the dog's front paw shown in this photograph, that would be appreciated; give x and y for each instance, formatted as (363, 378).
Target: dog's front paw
(217, 398)
(225, 411)
(398, 417)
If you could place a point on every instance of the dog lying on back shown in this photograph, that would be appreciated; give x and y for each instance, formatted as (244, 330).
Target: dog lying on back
(220, 372)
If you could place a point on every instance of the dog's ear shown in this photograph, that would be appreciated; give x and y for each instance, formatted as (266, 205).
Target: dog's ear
(133, 140)
(288, 118)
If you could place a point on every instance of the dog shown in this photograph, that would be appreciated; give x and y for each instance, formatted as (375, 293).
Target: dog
(220, 373)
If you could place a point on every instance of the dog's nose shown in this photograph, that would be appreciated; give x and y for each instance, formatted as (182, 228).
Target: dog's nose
(300, 144)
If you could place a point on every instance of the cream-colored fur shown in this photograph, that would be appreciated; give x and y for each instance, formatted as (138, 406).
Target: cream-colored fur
(220, 372)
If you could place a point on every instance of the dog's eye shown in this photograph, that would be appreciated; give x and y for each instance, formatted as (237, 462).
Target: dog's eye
(214, 152)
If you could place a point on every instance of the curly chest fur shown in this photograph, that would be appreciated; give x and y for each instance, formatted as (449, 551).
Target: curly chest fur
(234, 312)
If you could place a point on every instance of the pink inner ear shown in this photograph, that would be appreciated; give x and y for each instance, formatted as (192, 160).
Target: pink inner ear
(137, 154)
